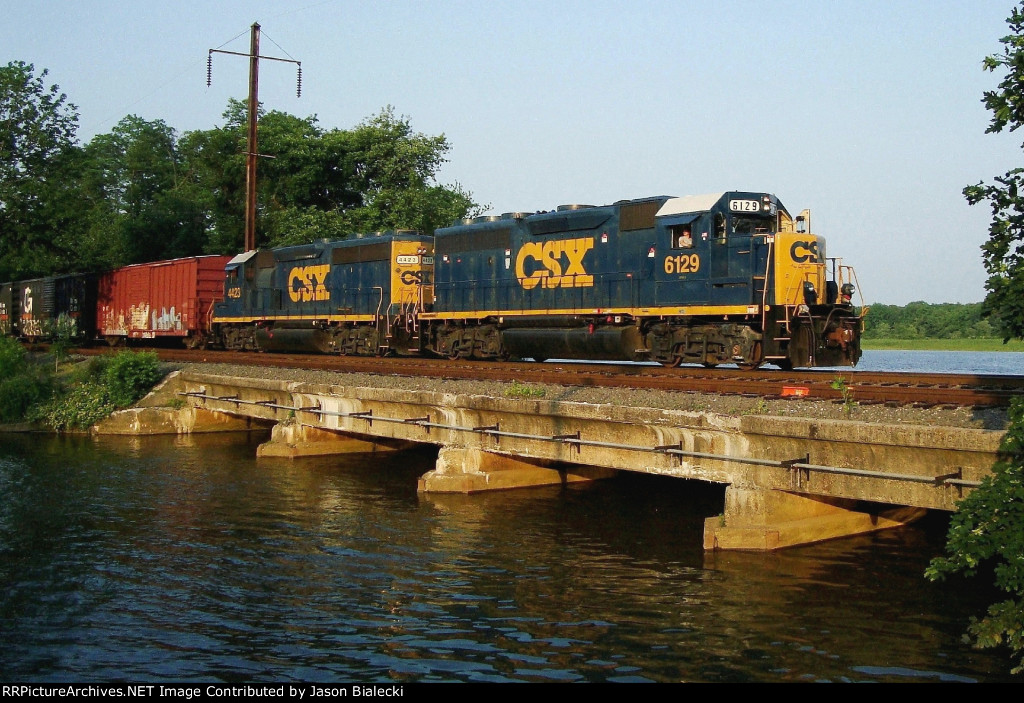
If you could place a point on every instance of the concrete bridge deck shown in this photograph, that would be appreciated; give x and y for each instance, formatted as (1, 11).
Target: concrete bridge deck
(789, 480)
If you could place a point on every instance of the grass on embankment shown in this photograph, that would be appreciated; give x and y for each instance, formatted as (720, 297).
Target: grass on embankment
(985, 345)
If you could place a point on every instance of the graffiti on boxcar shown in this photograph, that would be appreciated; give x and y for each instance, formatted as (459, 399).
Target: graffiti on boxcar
(167, 320)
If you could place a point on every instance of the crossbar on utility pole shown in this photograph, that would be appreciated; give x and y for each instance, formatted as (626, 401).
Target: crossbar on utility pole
(252, 149)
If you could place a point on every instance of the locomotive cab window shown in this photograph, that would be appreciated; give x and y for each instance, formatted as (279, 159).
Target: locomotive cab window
(720, 228)
(742, 224)
(681, 237)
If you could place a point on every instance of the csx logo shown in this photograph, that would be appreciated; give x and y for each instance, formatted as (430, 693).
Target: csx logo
(804, 252)
(411, 278)
(554, 264)
(306, 283)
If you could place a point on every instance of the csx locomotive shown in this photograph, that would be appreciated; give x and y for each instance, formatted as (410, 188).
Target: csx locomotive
(710, 279)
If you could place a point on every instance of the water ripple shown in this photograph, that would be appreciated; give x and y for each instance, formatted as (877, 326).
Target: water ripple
(191, 561)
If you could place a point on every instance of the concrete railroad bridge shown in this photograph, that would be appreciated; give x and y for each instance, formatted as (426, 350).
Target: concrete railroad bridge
(789, 481)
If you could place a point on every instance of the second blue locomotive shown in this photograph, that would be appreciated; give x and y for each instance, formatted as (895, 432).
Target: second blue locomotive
(362, 295)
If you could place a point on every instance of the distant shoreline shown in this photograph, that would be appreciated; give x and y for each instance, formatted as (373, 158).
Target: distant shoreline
(983, 345)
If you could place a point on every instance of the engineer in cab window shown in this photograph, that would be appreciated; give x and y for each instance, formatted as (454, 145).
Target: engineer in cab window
(682, 238)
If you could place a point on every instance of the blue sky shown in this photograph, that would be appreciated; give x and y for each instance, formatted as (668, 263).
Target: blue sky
(867, 112)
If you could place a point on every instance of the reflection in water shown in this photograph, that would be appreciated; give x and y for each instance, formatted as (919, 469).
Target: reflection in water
(170, 559)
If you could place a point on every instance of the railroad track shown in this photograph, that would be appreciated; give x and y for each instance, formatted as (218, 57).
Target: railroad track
(918, 389)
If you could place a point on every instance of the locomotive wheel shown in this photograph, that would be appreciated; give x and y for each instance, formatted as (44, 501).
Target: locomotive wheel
(672, 363)
(751, 365)
(540, 359)
(709, 364)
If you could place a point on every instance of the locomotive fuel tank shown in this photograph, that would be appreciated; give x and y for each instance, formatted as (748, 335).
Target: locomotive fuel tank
(291, 339)
(589, 342)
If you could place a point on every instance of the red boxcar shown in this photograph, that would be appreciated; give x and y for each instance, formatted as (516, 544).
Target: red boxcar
(161, 299)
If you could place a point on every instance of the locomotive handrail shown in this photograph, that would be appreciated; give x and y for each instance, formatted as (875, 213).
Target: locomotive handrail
(764, 291)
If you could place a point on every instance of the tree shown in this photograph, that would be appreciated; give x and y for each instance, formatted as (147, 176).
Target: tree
(142, 206)
(141, 193)
(393, 169)
(1003, 253)
(38, 160)
(322, 184)
(987, 530)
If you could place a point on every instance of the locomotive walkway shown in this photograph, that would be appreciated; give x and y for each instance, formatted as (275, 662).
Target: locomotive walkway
(789, 480)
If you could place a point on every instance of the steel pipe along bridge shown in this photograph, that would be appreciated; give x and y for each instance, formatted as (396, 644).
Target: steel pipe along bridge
(789, 481)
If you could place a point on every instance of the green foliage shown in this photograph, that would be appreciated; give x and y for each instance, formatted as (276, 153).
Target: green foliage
(97, 389)
(142, 206)
(1003, 253)
(988, 530)
(130, 375)
(521, 390)
(22, 383)
(321, 184)
(920, 320)
(392, 168)
(143, 193)
(60, 332)
(37, 166)
(846, 393)
(982, 344)
(12, 357)
(79, 407)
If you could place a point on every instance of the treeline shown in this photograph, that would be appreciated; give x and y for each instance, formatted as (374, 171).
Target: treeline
(144, 192)
(920, 320)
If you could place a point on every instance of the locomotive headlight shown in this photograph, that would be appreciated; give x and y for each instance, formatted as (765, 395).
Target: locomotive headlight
(810, 295)
(846, 293)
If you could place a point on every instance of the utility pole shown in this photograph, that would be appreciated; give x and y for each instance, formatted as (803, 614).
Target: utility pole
(252, 149)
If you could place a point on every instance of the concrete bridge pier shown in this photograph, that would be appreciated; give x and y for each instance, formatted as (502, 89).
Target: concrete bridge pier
(466, 470)
(764, 520)
(291, 440)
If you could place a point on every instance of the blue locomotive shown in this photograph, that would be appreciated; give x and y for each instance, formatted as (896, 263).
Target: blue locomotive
(711, 279)
(362, 295)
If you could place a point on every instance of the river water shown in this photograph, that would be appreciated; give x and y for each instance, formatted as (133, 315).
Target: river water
(1001, 363)
(185, 559)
